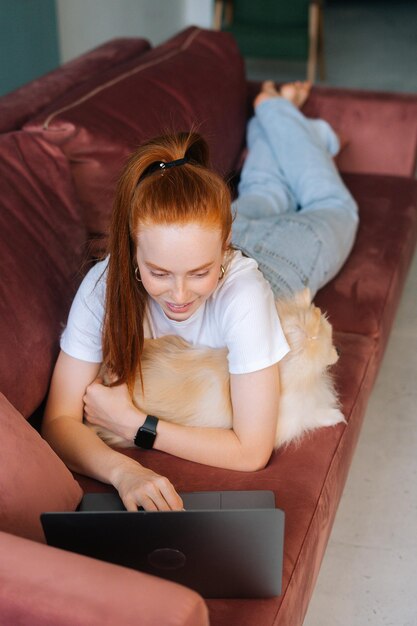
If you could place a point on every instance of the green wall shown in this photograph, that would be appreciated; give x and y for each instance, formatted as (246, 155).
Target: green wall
(28, 41)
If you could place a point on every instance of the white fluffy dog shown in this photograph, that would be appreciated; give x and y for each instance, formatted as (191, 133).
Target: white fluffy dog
(190, 385)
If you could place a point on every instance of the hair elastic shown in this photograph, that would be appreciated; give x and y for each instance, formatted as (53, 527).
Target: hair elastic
(161, 166)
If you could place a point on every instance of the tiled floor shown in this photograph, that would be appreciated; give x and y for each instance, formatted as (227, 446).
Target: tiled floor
(369, 572)
(368, 576)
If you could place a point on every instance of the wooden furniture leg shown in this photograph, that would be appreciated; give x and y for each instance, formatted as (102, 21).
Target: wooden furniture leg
(322, 60)
(313, 32)
(218, 14)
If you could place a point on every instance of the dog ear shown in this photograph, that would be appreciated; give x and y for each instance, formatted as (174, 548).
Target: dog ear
(303, 297)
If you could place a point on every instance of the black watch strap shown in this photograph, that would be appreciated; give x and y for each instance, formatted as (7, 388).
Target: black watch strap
(146, 435)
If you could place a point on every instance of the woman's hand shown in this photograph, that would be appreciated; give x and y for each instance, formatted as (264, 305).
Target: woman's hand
(112, 408)
(83, 451)
(138, 486)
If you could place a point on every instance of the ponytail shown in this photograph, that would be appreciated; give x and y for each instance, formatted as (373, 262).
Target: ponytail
(148, 193)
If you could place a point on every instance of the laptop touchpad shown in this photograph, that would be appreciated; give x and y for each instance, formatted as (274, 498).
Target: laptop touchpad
(205, 501)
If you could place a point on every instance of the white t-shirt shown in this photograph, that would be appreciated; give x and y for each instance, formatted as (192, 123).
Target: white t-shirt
(240, 315)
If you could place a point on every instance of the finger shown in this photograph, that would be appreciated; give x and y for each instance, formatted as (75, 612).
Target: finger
(146, 503)
(130, 504)
(177, 503)
(163, 494)
(170, 496)
(89, 417)
(153, 502)
(154, 495)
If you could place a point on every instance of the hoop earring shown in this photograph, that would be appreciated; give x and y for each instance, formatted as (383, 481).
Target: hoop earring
(137, 274)
(222, 272)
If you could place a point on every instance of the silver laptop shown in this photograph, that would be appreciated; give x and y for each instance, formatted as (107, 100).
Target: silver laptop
(226, 544)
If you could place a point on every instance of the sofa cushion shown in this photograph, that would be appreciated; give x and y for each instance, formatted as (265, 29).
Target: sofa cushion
(32, 477)
(41, 239)
(195, 79)
(17, 106)
(363, 297)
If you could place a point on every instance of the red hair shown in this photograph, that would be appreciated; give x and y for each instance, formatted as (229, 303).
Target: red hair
(191, 192)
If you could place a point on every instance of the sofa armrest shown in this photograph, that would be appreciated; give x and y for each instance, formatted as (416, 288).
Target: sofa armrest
(41, 585)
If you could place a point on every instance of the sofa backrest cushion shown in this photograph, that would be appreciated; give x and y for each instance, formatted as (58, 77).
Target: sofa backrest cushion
(17, 106)
(41, 247)
(195, 79)
(32, 477)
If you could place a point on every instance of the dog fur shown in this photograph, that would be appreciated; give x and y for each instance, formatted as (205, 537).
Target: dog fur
(190, 384)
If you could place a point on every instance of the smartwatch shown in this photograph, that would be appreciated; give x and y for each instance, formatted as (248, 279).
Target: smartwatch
(146, 435)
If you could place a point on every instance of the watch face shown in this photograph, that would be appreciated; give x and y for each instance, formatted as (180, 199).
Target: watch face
(145, 438)
(146, 435)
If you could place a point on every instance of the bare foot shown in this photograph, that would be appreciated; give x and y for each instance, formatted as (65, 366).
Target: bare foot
(268, 87)
(296, 93)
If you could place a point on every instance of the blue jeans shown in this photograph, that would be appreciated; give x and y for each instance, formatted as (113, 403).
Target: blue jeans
(294, 215)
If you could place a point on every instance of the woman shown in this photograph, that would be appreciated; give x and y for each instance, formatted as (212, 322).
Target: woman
(172, 270)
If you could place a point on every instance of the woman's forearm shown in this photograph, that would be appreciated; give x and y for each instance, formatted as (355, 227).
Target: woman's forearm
(246, 447)
(218, 447)
(82, 451)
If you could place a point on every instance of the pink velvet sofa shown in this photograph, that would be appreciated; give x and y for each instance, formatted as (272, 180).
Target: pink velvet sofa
(64, 139)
